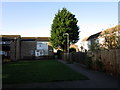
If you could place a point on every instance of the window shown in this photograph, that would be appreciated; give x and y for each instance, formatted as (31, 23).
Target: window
(5, 42)
(1, 52)
(89, 42)
(4, 53)
(38, 54)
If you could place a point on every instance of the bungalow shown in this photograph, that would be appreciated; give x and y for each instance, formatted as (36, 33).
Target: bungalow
(15, 47)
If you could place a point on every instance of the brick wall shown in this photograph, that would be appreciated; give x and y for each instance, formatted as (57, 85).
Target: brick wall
(12, 51)
(50, 51)
(15, 49)
(28, 49)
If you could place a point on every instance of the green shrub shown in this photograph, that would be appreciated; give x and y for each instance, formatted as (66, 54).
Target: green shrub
(89, 62)
(59, 54)
(71, 50)
(99, 65)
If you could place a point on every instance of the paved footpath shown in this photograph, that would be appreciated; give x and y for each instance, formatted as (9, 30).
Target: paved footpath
(96, 80)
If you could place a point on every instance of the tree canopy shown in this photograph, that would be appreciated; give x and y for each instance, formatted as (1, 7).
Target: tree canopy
(64, 22)
(111, 38)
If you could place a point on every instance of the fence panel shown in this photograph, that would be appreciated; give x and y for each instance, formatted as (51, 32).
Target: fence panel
(110, 59)
(78, 57)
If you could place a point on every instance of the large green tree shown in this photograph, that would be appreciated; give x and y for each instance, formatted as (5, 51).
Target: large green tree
(64, 22)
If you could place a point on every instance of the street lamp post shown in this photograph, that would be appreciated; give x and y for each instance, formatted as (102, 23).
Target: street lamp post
(15, 41)
(67, 46)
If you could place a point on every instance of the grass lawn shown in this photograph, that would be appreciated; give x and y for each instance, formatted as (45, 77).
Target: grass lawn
(38, 71)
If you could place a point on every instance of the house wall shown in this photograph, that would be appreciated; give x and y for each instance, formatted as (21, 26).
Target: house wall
(46, 47)
(17, 49)
(42, 47)
(85, 45)
(5, 53)
(28, 49)
(50, 51)
(21, 48)
(12, 50)
(92, 43)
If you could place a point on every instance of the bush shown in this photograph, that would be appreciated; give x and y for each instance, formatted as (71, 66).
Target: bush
(55, 56)
(71, 50)
(89, 62)
(59, 54)
(99, 65)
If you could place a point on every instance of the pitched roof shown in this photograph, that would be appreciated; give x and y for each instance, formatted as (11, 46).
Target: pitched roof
(7, 37)
(85, 39)
(35, 38)
(43, 38)
(112, 29)
(94, 36)
(10, 36)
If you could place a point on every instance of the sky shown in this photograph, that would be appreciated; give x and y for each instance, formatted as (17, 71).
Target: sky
(34, 19)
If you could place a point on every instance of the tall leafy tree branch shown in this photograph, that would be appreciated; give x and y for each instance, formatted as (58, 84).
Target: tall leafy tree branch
(64, 22)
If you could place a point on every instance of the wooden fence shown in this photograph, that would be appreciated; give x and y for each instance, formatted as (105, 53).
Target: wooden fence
(78, 57)
(110, 59)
